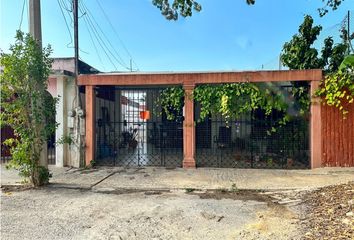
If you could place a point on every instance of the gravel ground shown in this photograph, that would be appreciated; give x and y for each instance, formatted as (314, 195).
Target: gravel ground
(55, 213)
(329, 213)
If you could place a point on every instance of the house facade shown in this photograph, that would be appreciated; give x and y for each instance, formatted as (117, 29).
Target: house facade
(188, 143)
(124, 124)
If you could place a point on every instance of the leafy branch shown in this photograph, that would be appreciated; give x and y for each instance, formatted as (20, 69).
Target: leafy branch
(229, 100)
(234, 99)
(26, 105)
(171, 100)
(337, 89)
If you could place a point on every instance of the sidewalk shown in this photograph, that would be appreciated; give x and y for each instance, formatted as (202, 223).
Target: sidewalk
(115, 178)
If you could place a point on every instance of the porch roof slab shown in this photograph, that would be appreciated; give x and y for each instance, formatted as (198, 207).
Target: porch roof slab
(192, 78)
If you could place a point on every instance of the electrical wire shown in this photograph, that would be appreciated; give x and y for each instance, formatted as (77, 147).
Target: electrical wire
(22, 12)
(66, 23)
(116, 33)
(102, 42)
(99, 40)
(91, 38)
(65, 6)
(94, 22)
(62, 8)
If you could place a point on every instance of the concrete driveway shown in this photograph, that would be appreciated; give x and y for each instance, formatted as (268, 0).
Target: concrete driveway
(202, 178)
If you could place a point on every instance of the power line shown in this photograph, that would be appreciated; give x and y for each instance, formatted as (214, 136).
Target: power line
(98, 39)
(120, 61)
(65, 6)
(93, 42)
(94, 26)
(116, 33)
(23, 9)
(66, 23)
(62, 8)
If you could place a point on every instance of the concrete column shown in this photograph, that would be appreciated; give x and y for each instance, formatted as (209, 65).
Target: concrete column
(315, 128)
(188, 128)
(61, 150)
(90, 101)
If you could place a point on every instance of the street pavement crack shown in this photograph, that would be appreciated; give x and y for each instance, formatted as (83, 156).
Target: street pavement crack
(98, 182)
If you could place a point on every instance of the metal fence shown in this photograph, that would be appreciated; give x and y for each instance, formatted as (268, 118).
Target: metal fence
(132, 131)
(251, 144)
(51, 150)
(5, 157)
(255, 140)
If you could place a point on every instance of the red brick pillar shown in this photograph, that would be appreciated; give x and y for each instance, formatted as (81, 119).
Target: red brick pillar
(188, 128)
(90, 101)
(315, 128)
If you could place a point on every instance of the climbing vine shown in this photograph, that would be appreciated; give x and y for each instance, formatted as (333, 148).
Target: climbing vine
(171, 100)
(228, 100)
(337, 89)
(235, 99)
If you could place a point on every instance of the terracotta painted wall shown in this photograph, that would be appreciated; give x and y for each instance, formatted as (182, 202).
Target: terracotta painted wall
(337, 137)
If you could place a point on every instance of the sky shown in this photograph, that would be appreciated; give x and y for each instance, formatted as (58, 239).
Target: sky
(226, 35)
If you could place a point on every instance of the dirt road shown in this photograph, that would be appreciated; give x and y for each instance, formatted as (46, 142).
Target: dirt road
(55, 213)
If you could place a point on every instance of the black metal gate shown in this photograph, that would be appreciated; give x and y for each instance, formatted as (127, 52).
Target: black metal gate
(51, 150)
(132, 131)
(249, 142)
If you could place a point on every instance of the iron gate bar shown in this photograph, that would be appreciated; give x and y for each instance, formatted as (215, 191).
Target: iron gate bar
(248, 143)
(124, 138)
(257, 150)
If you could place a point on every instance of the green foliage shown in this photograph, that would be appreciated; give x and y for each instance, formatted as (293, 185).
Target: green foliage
(171, 100)
(234, 188)
(183, 8)
(65, 140)
(337, 89)
(347, 62)
(329, 4)
(26, 105)
(93, 163)
(299, 53)
(19, 161)
(43, 176)
(228, 100)
(235, 99)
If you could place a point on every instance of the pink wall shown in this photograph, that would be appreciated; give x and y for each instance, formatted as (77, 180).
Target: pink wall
(52, 87)
(67, 64)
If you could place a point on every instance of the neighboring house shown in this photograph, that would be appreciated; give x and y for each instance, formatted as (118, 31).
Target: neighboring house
(61, 84)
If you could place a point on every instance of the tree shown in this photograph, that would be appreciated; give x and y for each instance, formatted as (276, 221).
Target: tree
(299, 53)
(181, 7)
(185, 7)
(26, 105)
(329, 4)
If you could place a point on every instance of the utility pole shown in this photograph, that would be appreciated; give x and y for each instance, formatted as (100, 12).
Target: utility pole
(35, 30)
(80, 121)
(76, 37)
(35, 27)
